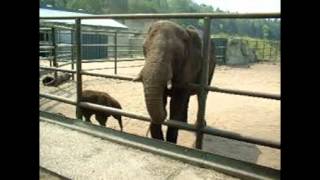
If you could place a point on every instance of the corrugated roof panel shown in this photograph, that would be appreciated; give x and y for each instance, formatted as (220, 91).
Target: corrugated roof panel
(91, 22)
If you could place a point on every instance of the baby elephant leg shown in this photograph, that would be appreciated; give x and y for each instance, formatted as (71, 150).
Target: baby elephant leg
(86, 117)
(118, 117)
(120, 123)
(101, 118)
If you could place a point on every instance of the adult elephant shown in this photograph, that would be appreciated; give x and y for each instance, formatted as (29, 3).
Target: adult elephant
(172, 60)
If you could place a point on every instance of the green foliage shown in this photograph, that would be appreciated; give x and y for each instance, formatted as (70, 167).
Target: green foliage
(93, 6)
(143, 7)
(55, 3)
(257, 28)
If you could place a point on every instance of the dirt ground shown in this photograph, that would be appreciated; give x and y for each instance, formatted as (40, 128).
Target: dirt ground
(250, 116)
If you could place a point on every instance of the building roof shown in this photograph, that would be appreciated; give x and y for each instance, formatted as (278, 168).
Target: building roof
(91, 22)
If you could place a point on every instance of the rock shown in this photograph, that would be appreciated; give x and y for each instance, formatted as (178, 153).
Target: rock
(238, 53)
(51, 81)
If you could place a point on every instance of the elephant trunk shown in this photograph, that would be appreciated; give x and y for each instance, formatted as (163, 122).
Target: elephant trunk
(155, 104)
(155, 76)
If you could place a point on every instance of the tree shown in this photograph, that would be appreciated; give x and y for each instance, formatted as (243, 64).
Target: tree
(259, 28)
(265, 31)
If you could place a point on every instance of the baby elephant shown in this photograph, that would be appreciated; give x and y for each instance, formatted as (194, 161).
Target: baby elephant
(100, 98)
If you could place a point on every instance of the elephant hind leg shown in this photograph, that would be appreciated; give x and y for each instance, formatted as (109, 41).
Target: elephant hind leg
(156, 131)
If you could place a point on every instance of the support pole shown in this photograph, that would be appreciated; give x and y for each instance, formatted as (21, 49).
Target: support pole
(72, 52)
(202, 95)
(54, 50)
(115, 52)
(79, 78)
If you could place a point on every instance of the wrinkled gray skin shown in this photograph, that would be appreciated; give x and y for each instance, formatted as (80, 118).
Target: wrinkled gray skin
(172, 60)
(100, 98)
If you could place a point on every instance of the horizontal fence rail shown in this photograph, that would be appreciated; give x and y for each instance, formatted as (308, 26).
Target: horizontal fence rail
(49, 27)
(210, 88)
(240, 92)
(58, 69)
(171, 15)
(58, 98)
(46, 47)
(185, 126)
(103, 45)
(173, 123)
(102, 68)
(108, 76)
(244, 93)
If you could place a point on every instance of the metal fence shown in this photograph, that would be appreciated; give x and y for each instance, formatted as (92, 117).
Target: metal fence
(200, 128)
(265, 50)
(125, 46)
(60, 50)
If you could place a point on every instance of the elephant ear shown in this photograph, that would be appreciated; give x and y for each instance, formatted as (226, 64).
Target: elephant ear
(147, 38)
(194, 40)
(194, 36)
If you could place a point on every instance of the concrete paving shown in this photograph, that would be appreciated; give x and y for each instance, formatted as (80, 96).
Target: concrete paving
(76, 155)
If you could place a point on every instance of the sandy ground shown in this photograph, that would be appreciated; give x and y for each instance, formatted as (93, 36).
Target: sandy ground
(46, 174)
(243, 115)
(89, 157)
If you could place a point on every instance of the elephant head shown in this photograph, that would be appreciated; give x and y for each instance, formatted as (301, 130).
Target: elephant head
(172, 59)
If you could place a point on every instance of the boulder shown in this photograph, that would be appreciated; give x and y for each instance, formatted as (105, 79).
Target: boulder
(238, 53)
(50, 80)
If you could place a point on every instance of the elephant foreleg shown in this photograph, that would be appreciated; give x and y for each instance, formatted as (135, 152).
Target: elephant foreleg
(178, 111)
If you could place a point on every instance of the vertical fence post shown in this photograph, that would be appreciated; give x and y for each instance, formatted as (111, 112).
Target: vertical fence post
(270, 50)
(264, 45)
(225, 51)
(107, 48)
(78, 65)
(50, 59)
(54, 50)
(50, 51)
(257, 50)
(115, 52)
(202, 95)
(72, 53)
(277, 47)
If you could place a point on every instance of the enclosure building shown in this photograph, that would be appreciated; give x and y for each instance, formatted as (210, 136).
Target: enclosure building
(93, 35)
